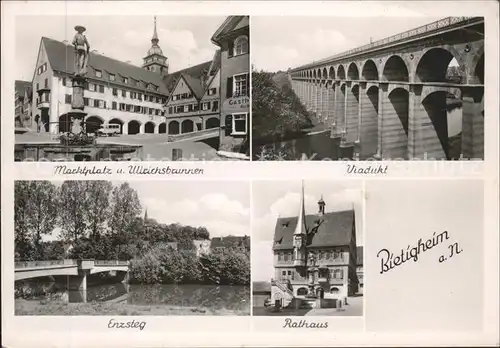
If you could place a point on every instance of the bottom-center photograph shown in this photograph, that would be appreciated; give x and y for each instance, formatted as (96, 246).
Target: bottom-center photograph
(132, 248)
(307, 253)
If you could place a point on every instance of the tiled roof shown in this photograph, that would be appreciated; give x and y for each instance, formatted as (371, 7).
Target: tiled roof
(227, 26)
(20, 87)
(359, 255)
(193, 76)
(335, 229)
(261, 287)
(62, 58)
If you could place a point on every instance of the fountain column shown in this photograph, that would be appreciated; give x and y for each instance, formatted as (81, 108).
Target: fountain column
(82, 52)
(77, 113)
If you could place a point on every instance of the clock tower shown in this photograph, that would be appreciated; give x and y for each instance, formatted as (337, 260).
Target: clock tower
(155, 61)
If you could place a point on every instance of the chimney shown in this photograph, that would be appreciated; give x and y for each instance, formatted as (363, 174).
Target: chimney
(321, 206)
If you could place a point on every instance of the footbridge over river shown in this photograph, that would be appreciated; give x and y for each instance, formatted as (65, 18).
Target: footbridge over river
(76, 270)
(389, 99)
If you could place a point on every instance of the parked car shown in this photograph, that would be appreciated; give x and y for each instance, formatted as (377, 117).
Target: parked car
(109, 130)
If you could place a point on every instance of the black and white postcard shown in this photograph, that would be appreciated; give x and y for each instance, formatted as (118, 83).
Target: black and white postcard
(245, 173)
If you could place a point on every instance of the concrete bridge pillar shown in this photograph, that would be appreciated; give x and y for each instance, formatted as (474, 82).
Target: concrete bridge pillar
(382, 92)
(340, 107)
(352, 112)
(361, 93)
(317, 105)
(312, 96)
(368, 108)
(299, 91)
(304, 92)
(428, 126)
(394, 122)
(309, 95)
(78, 282)
(473, 123)
(416, 119)
(330, 103)
(324, 103)
(315, 98)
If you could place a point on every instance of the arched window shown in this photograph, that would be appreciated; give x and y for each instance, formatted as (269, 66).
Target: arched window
(302, 291)
(241, 45)
(334, 290)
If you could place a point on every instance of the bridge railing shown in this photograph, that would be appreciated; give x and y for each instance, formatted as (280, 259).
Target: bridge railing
(110, 263)
(34, 264)
(439, 24)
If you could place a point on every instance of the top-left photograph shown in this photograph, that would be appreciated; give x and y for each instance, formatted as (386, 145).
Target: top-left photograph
(121, 88)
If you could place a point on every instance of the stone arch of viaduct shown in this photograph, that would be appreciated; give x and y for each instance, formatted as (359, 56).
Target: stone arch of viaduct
(392, 101)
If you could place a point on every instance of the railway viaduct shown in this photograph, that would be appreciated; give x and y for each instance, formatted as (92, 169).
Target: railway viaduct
(389, 99)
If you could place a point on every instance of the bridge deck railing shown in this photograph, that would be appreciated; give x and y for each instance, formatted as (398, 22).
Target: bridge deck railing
(110, 263)
(439, 24)
(34, 264)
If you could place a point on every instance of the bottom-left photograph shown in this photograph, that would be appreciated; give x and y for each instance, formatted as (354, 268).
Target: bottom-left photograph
(132, 248)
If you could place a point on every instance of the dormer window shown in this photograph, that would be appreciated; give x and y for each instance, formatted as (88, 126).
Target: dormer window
(111, 77)
(241, 45)
(285, 224)
(125, 80)
(98, 73)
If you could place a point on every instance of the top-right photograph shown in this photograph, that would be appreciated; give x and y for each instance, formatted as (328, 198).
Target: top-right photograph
(362, 88)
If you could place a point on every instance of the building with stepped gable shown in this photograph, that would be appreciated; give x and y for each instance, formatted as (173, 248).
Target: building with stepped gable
(315, 256)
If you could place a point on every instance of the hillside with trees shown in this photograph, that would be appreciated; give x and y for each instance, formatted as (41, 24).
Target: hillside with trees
(98, 220)
(277, 112)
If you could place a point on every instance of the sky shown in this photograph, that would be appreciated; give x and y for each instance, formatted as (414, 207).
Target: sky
(184, 40)
(273, 199)
(302, 40)
(223, 207)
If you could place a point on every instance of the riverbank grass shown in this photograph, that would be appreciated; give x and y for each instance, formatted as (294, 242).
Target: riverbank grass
(44, 307)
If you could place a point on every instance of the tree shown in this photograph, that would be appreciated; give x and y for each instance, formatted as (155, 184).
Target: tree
(72, 209)
(276, 109)
(35, 215)
(97, 210)
(42, 208)
(125, 207)
(21, 239)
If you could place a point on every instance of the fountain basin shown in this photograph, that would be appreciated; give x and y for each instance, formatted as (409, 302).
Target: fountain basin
(95, 152)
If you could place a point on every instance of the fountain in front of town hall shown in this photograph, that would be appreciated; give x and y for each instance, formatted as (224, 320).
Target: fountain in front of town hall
(77, 144)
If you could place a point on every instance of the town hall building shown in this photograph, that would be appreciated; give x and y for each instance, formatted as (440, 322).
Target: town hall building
(314, 255)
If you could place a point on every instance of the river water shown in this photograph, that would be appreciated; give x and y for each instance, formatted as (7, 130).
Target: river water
(319, 146)
(191, 295)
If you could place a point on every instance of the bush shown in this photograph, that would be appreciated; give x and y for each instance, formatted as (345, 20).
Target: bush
(231, 267)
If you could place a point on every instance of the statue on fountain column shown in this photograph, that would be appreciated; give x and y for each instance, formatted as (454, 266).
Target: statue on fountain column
(82, 49)
(312, 276)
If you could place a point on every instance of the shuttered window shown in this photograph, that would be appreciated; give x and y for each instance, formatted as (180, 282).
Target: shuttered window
(229, 87)
(228, 125)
